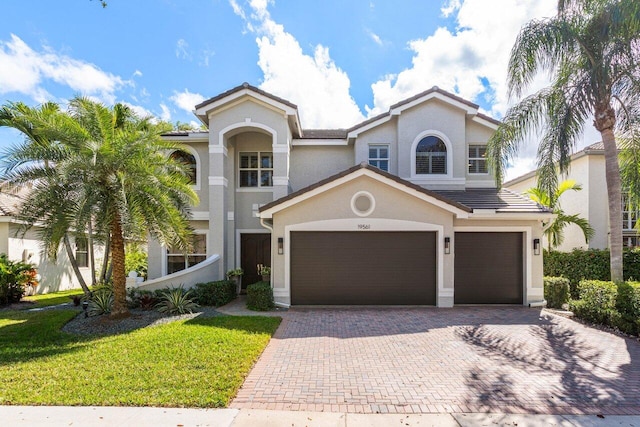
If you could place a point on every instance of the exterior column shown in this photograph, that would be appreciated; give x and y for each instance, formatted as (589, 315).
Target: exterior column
(218, 186)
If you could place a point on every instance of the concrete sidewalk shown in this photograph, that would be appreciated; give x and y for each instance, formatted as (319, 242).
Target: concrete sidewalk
(54, 416)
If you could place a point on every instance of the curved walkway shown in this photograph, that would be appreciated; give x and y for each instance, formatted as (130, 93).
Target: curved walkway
(429, 360)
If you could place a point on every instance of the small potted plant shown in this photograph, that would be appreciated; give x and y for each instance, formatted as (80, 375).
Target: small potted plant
(265, 272)
(236, 276)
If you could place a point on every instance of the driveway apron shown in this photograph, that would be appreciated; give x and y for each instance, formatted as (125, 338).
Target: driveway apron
(429, 360)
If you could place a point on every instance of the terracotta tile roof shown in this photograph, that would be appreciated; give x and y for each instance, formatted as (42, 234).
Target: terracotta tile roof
(244, 86)
(502, 200)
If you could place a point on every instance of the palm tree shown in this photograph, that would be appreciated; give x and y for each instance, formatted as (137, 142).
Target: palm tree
(555, 230)
(590, 49)
(47, 203)
(109, 168)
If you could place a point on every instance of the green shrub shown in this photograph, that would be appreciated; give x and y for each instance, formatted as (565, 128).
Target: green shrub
(136, 259)
(260, 296)
(176, 301)
(628, 308)
(556, 291)
(592, 264)
(14, 275)
(101, 302)
(597, 301)
(215, 293)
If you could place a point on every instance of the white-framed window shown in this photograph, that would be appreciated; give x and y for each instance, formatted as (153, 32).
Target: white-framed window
(255, 169)
(177, 260)
(629, 216)
(431, 156)
(82, 252)
(189, 160)
(478, 159)
(379, 156)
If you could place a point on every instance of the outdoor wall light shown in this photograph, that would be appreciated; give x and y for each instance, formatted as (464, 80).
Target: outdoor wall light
(536, 246)
(280, 245)
(447, 245)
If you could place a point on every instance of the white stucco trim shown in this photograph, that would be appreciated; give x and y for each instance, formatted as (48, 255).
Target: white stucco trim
(355, 224)
(484, 122)
(372, 201)
(527, 254)
(280, 180)
(281, 148)
(199, 215)
(226, 130)
(237, 96)
(316, 142)
(356, 132)
(219, 149)
(432, 177)
(218, 180)
(358, 173)
(434, 95)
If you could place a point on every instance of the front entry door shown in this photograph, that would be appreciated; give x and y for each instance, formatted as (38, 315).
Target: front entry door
(254, 249)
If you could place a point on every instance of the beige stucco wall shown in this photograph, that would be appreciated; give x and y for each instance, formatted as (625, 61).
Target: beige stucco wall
(386, 133)
(4, 237)
(310, 164)
(335, 204)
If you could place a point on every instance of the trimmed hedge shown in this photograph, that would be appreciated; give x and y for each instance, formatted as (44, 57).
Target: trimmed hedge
(260, 296)
(592, 264)
(609, 304)
(556, 291)
(215, 293)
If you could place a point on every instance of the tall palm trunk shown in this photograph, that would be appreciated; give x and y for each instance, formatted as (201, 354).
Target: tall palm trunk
(92, 259)
(105, 259)
(120, 308)
(74, 265)
(604, 122)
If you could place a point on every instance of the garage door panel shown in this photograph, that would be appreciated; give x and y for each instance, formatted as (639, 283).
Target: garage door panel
(370, 268)
(488, 268)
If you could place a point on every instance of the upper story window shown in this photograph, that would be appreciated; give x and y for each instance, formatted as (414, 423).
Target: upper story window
(379, 156)
(431, 156)
(82, 252)
(478, 159)
(256, 169)
(189, 161)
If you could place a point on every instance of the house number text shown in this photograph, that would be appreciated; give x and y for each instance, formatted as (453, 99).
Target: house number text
(364, 226)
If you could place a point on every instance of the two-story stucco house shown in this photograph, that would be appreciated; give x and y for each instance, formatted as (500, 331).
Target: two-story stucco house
(399, 209)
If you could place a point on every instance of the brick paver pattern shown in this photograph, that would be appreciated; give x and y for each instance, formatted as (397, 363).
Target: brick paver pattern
(429, 360)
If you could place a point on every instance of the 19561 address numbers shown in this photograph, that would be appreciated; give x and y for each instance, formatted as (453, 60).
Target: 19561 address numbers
(364, 226)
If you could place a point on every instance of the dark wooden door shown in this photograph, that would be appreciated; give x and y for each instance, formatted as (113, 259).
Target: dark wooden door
(488, 268)
(254, 249)
(356, 268)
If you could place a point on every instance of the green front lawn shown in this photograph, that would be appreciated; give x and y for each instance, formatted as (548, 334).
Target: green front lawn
(193, 363)
(53, 298)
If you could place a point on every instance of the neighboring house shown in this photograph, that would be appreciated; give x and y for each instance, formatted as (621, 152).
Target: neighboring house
(54, 276)
(396, 210)
(588, 169)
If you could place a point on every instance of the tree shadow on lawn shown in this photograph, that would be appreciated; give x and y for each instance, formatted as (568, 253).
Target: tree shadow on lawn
(36, 335)
(554, 368)
(249, 324)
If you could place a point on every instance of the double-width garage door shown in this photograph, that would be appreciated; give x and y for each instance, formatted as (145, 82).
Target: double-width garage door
(372, 268)
(488, 268)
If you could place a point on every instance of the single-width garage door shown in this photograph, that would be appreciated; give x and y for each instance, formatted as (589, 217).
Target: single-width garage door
(376, 268)
(488, 268)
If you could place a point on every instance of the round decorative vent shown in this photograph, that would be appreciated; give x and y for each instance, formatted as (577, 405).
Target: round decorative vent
(363, 203)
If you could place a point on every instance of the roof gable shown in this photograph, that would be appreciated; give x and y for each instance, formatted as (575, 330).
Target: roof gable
(336, 180)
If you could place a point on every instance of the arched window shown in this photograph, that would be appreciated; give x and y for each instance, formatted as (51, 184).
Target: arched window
(431, 156)
(189, 161)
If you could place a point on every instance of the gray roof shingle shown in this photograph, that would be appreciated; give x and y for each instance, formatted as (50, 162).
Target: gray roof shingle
(502, 200)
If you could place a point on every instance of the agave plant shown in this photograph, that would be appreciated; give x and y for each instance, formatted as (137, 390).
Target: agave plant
(176, 301)
(101, 302)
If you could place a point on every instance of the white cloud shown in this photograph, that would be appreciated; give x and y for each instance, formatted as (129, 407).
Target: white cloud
(182, 51)
(139, 110)
(24, 70)
(313, 82)
(464, 60)
(186, 100)
(137, 73)
(376, 38)
(166, 113)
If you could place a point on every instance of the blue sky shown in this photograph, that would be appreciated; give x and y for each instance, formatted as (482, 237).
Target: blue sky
(339, 61)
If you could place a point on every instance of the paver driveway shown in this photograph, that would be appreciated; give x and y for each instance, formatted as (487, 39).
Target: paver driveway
(465, 359)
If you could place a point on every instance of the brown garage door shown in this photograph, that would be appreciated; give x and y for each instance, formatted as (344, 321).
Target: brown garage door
(488, 268)
(377, 268)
